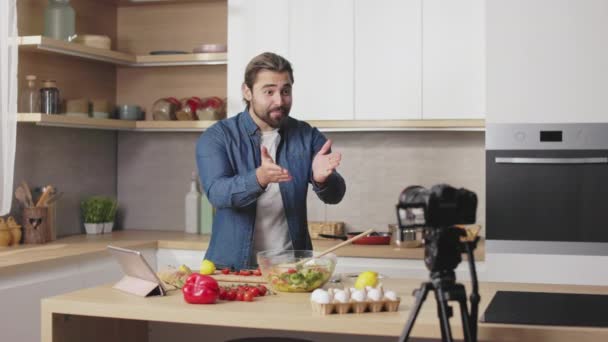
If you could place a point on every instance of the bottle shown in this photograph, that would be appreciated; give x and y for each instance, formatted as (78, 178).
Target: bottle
(49, 97)
(29, 100)
(59, 20)
(193, 205)
(207, 213)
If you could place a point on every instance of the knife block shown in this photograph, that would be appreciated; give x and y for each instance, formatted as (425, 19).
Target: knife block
(36, 225)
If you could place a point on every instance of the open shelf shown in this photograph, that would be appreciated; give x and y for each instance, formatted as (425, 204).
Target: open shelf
(74, 121)
(199, 126)
(49, 45)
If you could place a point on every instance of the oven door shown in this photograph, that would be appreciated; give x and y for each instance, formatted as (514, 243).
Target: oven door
(547, 195)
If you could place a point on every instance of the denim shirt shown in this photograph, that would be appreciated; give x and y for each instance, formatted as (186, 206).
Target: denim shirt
(228, 154)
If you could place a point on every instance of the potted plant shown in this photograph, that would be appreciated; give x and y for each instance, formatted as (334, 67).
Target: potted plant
(93, 214)
(110, 207)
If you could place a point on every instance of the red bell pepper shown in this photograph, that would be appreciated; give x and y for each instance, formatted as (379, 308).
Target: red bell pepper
(200, 289)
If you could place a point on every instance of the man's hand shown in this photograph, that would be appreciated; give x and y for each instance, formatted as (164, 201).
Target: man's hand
(269, 171)
(324, 164)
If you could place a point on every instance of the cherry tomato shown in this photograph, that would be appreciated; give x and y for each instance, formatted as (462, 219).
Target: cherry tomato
(248, 297)
(254, 291)
(245, 273)
(226, 271)
(291, 271)
(262, 290)
(231, 295)
(223, 293)
(257, 272)
(239, 296)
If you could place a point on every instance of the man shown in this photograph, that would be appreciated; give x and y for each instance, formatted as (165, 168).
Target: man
(255, 168)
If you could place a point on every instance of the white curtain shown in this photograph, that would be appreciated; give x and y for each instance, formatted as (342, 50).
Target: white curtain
(8, 100)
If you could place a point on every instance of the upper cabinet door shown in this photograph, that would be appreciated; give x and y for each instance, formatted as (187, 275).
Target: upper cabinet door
(547, 61)
(388, 63)
(453, 68)
(254, 26)
(321, 51)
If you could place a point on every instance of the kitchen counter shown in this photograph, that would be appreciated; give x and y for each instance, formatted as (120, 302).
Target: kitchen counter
(285, 312)
(81, 245)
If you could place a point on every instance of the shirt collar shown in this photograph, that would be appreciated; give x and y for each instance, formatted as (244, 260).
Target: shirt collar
(248, 123)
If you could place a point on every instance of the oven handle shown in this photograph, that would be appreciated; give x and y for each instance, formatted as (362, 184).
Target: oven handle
(517, 160)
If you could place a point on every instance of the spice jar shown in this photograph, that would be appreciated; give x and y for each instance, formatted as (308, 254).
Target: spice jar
(49, 97)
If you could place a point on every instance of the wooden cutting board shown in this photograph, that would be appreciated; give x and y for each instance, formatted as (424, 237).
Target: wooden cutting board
(234, 278)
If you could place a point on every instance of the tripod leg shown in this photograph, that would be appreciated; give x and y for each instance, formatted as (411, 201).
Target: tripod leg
(420, 294)
(464, 315)
(445, 312)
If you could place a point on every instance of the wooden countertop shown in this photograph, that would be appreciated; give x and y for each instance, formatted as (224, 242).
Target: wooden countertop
(80, 245)
(287, 311)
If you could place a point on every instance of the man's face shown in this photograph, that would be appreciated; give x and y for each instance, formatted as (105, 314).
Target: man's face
(270, 99)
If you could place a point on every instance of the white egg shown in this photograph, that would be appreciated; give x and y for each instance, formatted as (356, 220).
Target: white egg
(367, 288)
(323, 298)
(341, 296)
(358, 295)
(315, 294)
(374, 294)
(390, 295)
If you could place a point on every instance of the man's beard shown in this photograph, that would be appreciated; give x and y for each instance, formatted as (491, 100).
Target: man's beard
(267, 115)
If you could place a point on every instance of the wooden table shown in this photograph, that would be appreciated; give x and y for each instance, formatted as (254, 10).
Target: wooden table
(105, 314)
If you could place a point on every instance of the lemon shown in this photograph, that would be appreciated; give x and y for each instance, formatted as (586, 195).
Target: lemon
(207, 267)
(367, 278)
(184, 269)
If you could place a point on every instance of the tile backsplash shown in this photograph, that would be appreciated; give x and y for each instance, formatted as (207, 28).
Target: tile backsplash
(78, 162)
(154, 171)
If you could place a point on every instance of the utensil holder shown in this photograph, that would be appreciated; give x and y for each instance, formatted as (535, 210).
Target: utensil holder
(36, 225)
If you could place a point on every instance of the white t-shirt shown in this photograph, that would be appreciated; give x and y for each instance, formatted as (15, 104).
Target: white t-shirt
(271, 231)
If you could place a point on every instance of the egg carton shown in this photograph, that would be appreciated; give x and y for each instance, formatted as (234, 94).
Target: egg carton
(356, 307)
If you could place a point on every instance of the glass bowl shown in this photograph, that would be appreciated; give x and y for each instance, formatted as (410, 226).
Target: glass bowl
(280, 270)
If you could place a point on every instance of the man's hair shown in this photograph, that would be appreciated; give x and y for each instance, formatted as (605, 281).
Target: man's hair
(266, 61)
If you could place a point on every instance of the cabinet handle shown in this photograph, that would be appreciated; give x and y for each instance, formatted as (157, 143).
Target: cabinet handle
(507, 160)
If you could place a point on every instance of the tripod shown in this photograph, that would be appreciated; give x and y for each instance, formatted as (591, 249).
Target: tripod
(443, 284)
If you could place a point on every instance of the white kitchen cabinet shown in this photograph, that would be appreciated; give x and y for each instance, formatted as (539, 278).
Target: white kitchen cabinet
(453, 54)
(321, 50)
(547, 61)
(21, 290)
(388, 61)
(254, 26)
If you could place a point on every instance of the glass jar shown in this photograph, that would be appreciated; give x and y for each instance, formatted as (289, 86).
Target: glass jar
(29, 99)
(49, 97)
(59, 20)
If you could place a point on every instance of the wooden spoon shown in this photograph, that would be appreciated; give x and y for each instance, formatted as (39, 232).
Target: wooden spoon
(340, 245)
(28, 194)
(42, 201)
(21, 196)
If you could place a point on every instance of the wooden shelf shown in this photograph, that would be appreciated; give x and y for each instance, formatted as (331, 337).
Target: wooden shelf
(75, 122)
(199, 126)
(173, 126)
(49, 45)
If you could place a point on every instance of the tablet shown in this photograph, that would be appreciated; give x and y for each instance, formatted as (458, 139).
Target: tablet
(134, 265)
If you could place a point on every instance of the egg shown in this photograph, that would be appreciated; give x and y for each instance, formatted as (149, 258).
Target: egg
(341, 296)
(358, 295)
(390, 295)
(321, 297)
(374, 294)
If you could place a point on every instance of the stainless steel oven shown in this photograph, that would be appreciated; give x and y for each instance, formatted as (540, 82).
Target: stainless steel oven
(547, 188)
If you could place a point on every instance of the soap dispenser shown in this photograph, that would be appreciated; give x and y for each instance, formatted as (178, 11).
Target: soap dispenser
(193, 205)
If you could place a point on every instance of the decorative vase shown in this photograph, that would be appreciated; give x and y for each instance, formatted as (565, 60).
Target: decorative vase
(107, 227)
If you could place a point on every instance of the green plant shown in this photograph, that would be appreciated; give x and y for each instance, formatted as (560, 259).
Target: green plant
(98, 209)
(111, 207)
